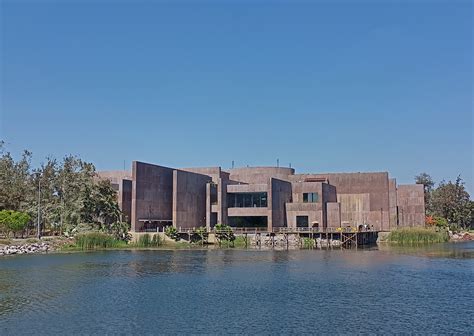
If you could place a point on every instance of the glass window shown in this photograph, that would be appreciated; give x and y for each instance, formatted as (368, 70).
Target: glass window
(310, 197)
(247, 200)
(302, 221)
(255, 201)
(239, 200)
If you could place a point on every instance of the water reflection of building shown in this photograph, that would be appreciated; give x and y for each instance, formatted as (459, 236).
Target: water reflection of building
(153, 196)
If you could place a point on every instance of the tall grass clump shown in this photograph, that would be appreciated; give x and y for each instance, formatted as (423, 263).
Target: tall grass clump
(147, 241)
(417, 236)
(97, 240)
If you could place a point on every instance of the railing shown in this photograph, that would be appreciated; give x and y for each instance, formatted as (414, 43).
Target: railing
(242, 230)
(149, 230)
(249, 229)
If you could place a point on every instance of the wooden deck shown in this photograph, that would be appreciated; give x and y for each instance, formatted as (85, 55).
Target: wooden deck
(330, 238)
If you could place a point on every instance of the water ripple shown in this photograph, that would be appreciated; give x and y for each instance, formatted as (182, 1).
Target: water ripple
(239, 292)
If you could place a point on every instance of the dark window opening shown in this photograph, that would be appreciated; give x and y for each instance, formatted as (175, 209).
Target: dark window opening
(213, 194)
(249, 221)
(310, 197)
(247, 200)
(302, 221)
(213, 219)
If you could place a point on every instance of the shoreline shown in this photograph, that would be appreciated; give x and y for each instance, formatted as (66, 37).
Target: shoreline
(49, 245)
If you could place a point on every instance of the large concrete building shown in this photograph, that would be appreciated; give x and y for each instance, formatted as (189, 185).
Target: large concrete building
(153, 196)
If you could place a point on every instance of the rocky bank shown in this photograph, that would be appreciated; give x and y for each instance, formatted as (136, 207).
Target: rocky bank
(25, 249)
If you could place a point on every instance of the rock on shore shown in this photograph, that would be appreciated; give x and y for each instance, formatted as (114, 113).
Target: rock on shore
(25, 249)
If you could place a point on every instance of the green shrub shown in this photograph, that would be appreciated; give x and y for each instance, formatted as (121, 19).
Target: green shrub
(308, 243)
(200, 235)
(240, 241)
(32, 240)
(97, 240)
(417, 236)
(171, 232)
(224, 232)
(440, 221)
(13, 221)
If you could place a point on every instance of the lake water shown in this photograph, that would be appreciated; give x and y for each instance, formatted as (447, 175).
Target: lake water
(387, 291)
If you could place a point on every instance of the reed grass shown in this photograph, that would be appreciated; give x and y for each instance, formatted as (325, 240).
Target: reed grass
(148, 241)
(97, 240)
(417, 236)
(240, 241)
(5, 241)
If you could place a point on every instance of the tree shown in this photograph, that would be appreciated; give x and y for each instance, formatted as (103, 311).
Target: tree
(14, 180)
(4, 217)
(13, 221)
(120, 230)
(428, 184)
(100, 205)
(45, 178)
(452, 202)
(71, 193)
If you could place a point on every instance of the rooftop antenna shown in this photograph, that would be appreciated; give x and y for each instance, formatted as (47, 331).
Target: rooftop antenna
(278, 162)
(124, 165)
(290, 164)
(232, 164)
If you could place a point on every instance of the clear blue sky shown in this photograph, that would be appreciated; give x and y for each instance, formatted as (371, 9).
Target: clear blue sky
(348, 86)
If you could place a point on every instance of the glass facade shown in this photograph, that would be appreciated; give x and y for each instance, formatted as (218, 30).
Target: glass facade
(249, 221)
(310, 197)
(247, 200)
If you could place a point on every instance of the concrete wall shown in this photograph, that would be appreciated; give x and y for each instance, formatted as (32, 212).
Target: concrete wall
(314, 211)
(152, 193)
(222, 200)
(329, 195)
(125, 200)
(189, 199)
(121, 181)
(299, 188)
(280, 194)
(392, 199)
(115, 176)
(355, 198)
(333, 215)
(259, 174)
(411, 205)
(364, 197)
(214, 172)
(242, 212)
(247, 188)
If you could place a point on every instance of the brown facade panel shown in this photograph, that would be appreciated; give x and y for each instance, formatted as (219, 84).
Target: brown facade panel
(194, 197)
(152, 193)
(280, 194)
(411, 205)
(333, 215)
(189, 199)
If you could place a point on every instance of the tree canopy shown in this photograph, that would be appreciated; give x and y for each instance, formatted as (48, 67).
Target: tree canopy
(70, 192)
(13, 221)
(448, 203)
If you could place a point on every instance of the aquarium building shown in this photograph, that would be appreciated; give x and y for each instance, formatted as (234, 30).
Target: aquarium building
(153, 196)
